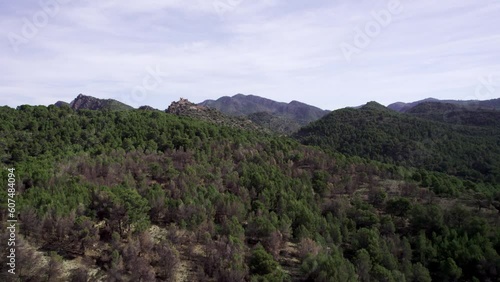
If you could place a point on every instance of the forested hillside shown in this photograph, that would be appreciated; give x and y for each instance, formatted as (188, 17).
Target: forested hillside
(273, 123)
(145, 195)
(457, 115)
(461, 143)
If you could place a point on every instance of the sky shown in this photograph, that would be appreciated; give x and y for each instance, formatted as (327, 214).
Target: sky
(327, 53)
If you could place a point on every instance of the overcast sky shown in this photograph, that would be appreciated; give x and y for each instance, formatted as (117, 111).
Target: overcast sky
(326, 53)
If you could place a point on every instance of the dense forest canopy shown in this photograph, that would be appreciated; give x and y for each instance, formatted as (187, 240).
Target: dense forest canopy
(144, 195)
(432, 136)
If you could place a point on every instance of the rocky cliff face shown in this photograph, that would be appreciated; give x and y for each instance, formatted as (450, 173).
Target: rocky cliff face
(185, 108)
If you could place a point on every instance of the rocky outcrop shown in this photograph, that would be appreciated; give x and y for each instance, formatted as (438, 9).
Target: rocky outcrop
(183, 107)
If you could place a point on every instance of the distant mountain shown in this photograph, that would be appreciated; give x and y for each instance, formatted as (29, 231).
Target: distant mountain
(374, 105)
(403, 107)
(187, 109)
(465, 145)
(147, 108)
(487, 104)
(62, 104)
(91, 103)
(242, 105)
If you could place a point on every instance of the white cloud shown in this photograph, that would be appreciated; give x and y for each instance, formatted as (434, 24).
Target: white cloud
(281, 50)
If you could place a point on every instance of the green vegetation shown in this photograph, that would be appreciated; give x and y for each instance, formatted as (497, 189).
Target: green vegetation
(493, 104)
(457, 115)
(465, 144)
(143, 195)
(274, 123)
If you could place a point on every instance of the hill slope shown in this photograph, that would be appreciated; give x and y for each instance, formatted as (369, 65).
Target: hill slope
(274, 123)
(456, 114)
(374, 132)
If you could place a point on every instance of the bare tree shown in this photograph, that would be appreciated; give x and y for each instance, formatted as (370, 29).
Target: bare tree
(274, 243)
(308, 247)
(29, 261)
(30, 222)
(168, 260)
(79, 275)
(54, 268)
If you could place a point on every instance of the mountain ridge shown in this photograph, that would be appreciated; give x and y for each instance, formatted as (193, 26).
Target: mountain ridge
(85, 102)
(241, 104)
(485, 104)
